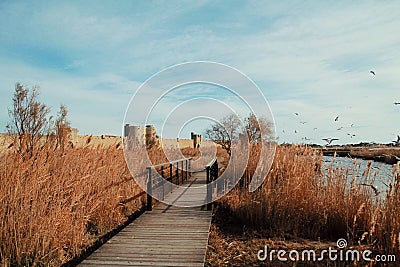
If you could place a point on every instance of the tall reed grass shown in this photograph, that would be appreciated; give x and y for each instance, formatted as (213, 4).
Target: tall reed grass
(299, 199)
(56, 204)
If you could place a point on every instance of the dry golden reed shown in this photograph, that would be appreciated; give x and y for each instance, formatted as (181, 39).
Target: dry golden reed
(299, 199)
(55, 205)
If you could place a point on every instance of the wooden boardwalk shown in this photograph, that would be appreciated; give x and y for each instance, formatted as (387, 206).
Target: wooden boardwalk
(166, 236)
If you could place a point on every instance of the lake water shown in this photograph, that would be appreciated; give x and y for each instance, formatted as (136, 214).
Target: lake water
(380, 175)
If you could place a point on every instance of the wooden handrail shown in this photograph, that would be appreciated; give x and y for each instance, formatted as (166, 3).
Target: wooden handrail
(170, 164)
(211, 162)
(212, 174)
(167, 163)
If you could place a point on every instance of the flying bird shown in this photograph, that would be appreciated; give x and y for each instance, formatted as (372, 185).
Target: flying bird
(396, 103)
(340, 128)
(373, 188)
(352, 125)
(297, 114)
(397, 142)
(329, 140)
(337, 117)
(351, 135)
(303, 122)
(372, 72)
(295, 131)
(315, 128)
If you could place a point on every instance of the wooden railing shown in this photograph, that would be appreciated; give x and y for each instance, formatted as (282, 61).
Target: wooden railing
(212, 175)
(175, 172)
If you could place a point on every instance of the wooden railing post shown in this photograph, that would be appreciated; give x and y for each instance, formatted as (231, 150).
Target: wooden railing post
(209, 189)
(177, 173)
(149, 190)
(211, 175)
(219, 186)
(170, 174)
(154, 185)
(163, 181)
(188, 168)
(182, 172)
(185, 174)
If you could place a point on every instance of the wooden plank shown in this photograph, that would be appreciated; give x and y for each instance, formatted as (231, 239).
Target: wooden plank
(138, 263)
(166, 236)
(159, 252)
(149, 257)
(165, 244)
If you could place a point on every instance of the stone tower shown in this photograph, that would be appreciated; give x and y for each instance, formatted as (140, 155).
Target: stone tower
(151, 136)
(135, 133)
(196, 139)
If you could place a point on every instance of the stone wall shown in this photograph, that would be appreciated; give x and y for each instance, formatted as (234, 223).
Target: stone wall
(99, 141)
(148, 135)
(181, 143)
(142, 134)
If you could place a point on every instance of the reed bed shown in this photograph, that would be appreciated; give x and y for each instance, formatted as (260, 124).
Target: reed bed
(300, 200)
(56, 204)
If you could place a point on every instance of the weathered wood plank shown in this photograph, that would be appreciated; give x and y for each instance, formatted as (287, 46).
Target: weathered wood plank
(149, 258)
(160, 252)
(166, 236)
(138, 263)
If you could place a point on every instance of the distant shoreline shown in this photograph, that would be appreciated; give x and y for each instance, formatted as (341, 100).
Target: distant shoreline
(381, 153)
(386, 153)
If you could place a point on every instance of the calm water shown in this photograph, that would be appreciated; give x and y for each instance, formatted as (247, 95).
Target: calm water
(380, 175)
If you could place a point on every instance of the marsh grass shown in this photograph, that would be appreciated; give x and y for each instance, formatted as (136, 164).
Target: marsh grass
(300, 200)
(56, 204)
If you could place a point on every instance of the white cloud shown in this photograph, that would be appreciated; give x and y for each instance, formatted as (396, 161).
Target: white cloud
(308, 57)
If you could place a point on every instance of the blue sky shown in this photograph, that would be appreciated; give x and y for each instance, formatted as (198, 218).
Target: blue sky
(309, 57)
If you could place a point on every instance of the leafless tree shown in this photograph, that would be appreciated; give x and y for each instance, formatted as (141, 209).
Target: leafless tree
(29, 119)
(31, 125)
(230, 128)
(255, 127)
(225, 131)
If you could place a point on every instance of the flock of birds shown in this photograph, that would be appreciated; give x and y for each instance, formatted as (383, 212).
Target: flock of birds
(329, 140)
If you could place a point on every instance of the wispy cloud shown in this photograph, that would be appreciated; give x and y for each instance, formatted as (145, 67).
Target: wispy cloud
(309, 57)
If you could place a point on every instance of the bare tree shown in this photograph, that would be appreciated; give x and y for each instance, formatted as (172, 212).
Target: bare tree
(225, 131)
(230, 128)
(255, 127)
(29, 120)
